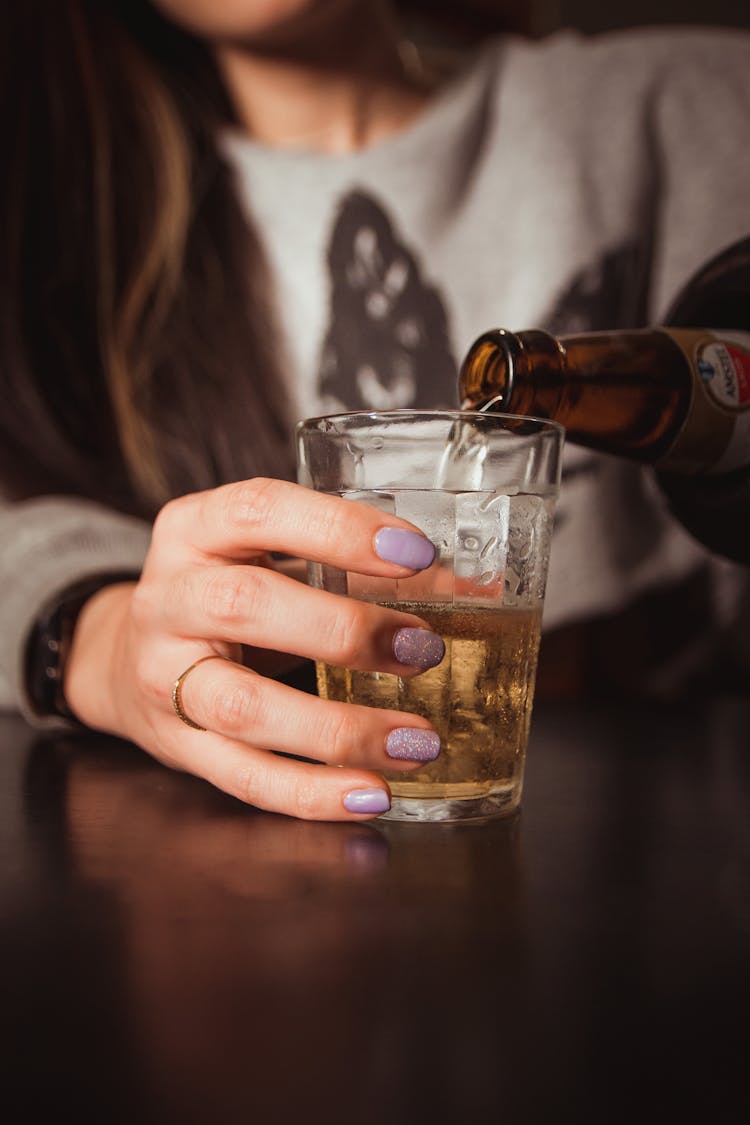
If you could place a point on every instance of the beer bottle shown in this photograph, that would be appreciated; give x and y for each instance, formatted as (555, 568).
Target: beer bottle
(676, 397)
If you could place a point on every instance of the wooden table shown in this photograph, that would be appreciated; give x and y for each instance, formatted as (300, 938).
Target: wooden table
(170, 955)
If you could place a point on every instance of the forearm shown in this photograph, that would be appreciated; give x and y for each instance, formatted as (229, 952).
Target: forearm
(46, 546)
(715, 509)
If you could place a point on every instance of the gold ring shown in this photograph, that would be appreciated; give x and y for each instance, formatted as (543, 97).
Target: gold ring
(177, 690)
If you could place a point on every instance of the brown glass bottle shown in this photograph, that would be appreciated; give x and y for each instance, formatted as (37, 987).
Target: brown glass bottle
(675, 397)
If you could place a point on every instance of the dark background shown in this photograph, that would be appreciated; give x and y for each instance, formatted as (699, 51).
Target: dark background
(593, 15)
(458, 21)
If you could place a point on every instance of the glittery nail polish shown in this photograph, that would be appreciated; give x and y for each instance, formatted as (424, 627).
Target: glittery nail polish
(412, 745)
(367, 801)
(405, 548)
(421, 648)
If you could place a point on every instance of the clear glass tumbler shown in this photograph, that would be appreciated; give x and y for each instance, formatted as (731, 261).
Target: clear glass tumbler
(482, 487)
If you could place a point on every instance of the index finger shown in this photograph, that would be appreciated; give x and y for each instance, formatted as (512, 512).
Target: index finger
(239, 521)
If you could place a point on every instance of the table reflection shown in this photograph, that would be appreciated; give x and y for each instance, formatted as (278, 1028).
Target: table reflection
(173, 955)
(242, 935)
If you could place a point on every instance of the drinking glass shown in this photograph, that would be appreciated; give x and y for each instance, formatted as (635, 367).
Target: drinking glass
(482, 487)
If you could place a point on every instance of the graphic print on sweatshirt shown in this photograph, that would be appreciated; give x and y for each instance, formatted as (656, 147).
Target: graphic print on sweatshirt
(387, 344)
(608, 293)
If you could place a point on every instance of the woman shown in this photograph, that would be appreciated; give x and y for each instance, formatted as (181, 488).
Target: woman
(225, 216)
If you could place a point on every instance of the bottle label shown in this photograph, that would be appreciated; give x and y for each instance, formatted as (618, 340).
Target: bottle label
(724, 367)
(716, 435)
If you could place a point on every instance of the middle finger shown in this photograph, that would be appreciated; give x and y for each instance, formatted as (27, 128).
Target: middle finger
(259, 607)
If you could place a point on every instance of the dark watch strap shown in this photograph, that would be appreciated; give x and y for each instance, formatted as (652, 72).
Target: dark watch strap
(48, 646)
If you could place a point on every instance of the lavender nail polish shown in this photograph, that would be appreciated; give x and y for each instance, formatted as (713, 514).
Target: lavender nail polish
(367, 801)
(405, 548)
(421, 648)
(412, 745)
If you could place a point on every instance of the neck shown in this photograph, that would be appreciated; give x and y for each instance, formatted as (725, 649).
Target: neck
(338, 89)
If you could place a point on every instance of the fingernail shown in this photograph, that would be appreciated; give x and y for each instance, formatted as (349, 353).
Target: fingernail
(405, 548)
(419, 647)
(367, 801)
(412, 745)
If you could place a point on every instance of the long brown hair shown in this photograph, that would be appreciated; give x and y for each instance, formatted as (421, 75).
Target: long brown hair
(138, 358)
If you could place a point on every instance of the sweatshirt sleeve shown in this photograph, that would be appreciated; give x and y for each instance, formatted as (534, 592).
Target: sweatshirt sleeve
(46, 545)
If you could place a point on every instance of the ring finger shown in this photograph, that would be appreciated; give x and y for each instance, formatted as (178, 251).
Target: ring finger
(240, 704)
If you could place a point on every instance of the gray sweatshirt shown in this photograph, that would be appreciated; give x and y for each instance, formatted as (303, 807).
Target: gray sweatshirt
(570, 184)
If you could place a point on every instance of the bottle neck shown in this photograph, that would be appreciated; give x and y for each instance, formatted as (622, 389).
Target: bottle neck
(622, 392)
(501, 368)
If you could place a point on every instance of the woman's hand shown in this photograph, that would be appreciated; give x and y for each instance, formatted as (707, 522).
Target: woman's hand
(208, 588)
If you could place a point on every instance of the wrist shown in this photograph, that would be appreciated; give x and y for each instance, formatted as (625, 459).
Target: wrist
(49, 645)
(88, 675)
